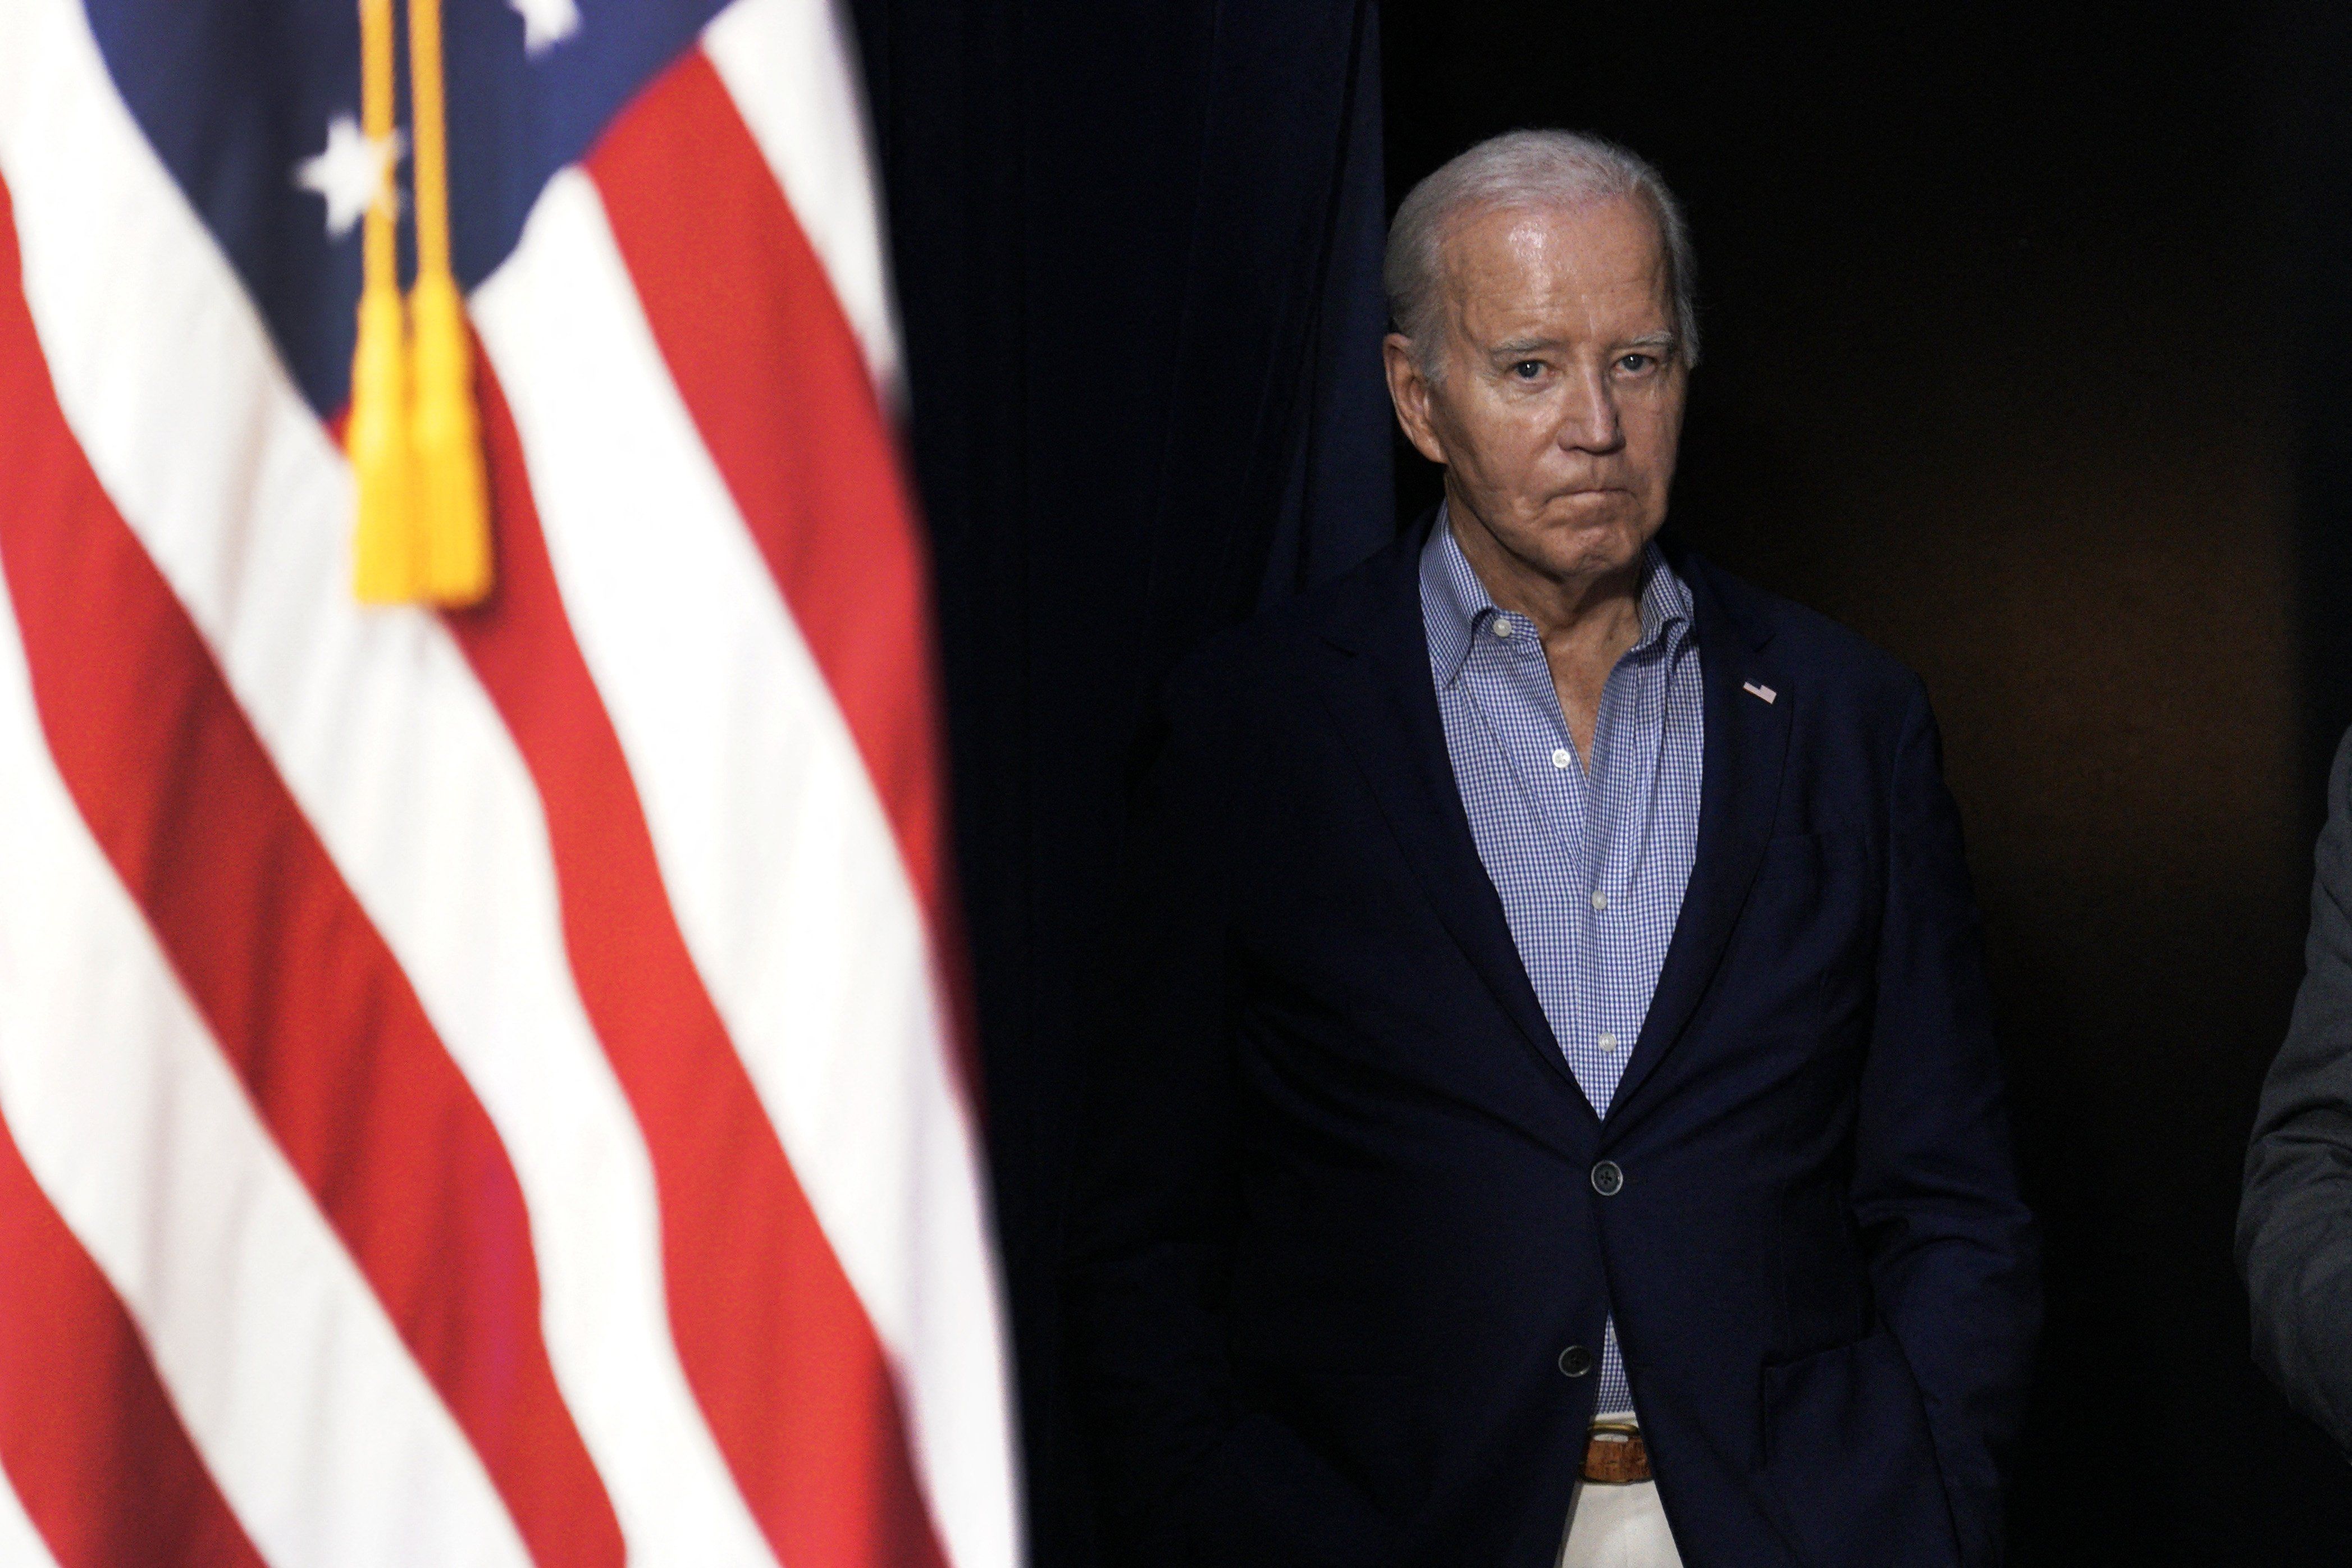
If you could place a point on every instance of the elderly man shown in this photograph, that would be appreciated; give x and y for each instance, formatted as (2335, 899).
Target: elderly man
(1553, 1116)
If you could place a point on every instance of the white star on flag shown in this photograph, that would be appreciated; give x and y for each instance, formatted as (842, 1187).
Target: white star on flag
(352, 173)
(546, 22)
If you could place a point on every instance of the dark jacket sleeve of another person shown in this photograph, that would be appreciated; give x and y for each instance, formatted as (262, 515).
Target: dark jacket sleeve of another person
(2295, 1226)
(1178, 1462)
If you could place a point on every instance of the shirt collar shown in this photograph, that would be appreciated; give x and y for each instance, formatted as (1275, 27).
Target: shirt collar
(1456, 606)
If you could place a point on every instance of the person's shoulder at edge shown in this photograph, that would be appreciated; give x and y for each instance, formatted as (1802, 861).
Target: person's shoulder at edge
(2293, 1244)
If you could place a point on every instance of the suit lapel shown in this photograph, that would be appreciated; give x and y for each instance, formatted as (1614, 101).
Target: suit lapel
(1747, 741)
(1379, 692)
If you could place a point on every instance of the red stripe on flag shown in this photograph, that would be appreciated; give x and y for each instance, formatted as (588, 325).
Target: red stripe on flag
(89, 1439)
(305, 1000)
(770, 371)
(781, 1356)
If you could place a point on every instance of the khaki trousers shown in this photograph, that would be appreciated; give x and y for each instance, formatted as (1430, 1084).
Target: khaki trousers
(1618, 1527)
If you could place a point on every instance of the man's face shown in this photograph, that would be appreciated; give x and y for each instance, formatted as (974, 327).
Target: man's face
(1559, 399)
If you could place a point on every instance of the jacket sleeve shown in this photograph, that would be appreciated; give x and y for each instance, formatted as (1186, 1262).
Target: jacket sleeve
(1953, 1254)
(1187, 1472)
(2295, 1222)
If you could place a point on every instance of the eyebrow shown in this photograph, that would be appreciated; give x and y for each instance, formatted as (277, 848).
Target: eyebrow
(1535, 345)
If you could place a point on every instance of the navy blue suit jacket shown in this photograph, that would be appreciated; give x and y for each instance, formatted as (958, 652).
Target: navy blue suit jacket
(1342, 1222)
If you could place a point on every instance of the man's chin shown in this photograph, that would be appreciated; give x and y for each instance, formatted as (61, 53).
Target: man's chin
(1606, 510)
(1585, 541)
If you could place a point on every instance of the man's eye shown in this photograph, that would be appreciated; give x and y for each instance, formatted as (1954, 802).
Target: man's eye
(1528, 370)
(1636, 363)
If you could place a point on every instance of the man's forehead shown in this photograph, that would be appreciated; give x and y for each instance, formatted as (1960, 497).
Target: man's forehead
(1518, 272)
(1616, 234)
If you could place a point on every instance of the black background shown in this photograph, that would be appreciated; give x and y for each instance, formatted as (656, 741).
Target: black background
(2028, 330)
(1137, 251)
(2024, 355)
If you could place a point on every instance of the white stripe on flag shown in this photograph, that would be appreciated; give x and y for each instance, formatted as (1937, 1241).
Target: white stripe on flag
(324, 1438)
(21, 1545)
(779, 861)
(789, 66)
(387, 743)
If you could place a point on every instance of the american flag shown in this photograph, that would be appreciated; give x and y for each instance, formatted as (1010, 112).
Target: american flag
(476, 1086)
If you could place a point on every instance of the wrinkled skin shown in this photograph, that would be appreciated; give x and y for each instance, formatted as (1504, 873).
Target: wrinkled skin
(1556, 407)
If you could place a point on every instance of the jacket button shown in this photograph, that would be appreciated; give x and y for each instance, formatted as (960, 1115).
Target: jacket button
(1575, 1360)
(1607, 1180)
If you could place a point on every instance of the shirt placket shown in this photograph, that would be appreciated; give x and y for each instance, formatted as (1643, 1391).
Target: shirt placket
(1517, 681)
(1625, 739)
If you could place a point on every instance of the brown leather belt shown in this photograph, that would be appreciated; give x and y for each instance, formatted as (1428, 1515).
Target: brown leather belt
(1615, 1455)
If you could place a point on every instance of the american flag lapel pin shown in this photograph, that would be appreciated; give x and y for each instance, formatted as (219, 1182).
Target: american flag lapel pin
(1753, 690)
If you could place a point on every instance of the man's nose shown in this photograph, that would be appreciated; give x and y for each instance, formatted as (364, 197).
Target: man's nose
(1588, 420)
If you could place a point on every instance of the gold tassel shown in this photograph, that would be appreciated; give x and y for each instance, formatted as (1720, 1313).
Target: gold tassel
(452, 501)
(414, 437)
(384, 552)
(452, 492)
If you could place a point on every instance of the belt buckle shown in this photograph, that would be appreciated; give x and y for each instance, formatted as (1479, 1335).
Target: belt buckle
(1615, 1455)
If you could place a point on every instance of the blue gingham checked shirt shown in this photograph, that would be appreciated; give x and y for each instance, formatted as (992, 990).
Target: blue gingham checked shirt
(1591, 869)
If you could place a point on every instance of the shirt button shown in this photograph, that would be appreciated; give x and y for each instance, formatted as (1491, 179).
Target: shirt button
(1600, 899)
(1560, 758)
(1607, 1180)
(1607, 1043)
(1502, 627)
(1575, 1360)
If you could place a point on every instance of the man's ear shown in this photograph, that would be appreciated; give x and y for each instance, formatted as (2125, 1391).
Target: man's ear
(1410, 391)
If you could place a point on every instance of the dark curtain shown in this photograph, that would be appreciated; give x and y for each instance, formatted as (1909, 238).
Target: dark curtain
(1138, 255)
(2309, 57)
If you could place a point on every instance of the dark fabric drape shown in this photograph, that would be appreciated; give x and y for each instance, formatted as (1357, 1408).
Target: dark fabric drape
(2310, 125)
(1138, 256)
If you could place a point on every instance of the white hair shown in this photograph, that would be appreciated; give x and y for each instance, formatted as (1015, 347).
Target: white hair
(1524, 168)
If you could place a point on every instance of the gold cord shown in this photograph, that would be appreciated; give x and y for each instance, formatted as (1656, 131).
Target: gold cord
(385, 550)
(453, 493)
(415, 435)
